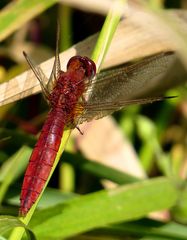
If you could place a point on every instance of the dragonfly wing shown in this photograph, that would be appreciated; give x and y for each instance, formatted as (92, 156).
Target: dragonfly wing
(39, 75)
(114, 89)
(93, 111)
(124, 82)
(56, 66)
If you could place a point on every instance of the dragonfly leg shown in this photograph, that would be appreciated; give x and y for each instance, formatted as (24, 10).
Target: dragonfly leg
(79, 130)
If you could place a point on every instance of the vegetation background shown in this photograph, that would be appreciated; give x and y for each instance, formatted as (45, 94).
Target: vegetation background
(125, 178)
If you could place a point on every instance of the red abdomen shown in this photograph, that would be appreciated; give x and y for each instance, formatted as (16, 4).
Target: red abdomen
(42, 159)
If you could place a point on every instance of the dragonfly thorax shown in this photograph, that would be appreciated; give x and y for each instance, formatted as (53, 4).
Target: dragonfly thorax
(69, 88)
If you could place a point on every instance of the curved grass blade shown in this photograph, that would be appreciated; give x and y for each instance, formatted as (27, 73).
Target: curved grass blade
(9, 222)
(17, 233)
(125, 203)
(107, 32)
(12, 168)
(19, 12)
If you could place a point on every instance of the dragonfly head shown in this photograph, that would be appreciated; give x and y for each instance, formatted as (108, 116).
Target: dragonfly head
(77, 61)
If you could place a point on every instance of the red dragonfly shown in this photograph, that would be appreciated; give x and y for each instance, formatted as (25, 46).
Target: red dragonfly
(76, 96)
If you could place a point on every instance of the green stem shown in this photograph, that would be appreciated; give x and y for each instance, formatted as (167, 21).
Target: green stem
(107, 32)
(65, 17)
(18, 232)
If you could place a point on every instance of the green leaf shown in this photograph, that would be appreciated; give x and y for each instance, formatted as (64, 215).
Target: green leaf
(105, 207)
(12, 168)
(98, 169)
(107, 31)
(146, 128)
(19, 12)
(152, 229)
(9, 222)
(179, 212)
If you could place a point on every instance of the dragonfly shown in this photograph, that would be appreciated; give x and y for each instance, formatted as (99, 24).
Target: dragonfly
(75, 96)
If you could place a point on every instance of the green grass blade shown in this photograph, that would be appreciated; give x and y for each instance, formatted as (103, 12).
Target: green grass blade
(107, 32)
(95, 210)
(19, 12)
(12, 168)
(8, 222)
(17, 233)
(145, 227)
(98, 169)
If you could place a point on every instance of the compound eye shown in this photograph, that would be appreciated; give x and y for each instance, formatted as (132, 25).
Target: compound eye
(86, 63)
(90, 67)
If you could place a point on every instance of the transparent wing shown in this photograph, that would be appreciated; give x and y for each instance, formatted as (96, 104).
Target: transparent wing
(43, 80)
(113, 89)
(123, 82)
(47, 85)
(96, 112)
(56, 66)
